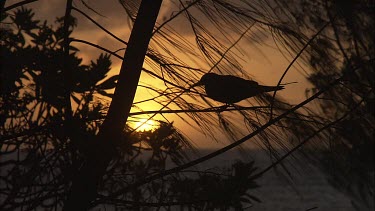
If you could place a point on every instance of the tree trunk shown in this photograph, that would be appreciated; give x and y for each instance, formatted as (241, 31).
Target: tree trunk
(2, 6)
(84, 187)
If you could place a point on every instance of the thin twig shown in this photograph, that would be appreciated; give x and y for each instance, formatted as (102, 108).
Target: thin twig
(96, 46)
(174, 16)
(295, 59)
(308, 139)
(207, 110)
(100, 26)
(18, 4)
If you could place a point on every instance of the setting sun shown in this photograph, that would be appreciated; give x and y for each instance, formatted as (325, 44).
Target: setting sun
(144, 124)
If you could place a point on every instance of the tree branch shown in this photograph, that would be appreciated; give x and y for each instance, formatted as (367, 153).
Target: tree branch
(18, 4)
(220, 151)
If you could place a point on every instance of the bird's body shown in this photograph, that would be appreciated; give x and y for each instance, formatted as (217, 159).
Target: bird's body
(231, 89)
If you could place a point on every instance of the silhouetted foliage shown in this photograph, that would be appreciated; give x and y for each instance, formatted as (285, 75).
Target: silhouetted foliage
(333, 38)
(345, 48)
(38, 159)
(213, 191)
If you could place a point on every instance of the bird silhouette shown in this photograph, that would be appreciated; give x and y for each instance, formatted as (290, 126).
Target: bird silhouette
(230, 89)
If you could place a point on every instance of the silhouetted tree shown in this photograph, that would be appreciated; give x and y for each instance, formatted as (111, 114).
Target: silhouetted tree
(40, 158)
(332, 37)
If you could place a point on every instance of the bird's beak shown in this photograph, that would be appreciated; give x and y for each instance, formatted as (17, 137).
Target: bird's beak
(199, 83)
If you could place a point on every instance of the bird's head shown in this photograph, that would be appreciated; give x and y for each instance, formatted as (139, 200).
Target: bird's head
(205, 78)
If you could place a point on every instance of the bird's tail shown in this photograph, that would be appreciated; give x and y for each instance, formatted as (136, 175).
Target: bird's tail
(272, 88)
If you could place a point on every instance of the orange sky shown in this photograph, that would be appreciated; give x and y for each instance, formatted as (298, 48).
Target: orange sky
(265, 63)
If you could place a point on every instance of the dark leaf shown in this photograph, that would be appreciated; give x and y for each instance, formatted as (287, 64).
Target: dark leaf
(110, 83)
(104, 93)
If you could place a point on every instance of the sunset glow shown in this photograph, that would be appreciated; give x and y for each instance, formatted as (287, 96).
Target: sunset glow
(145, 125)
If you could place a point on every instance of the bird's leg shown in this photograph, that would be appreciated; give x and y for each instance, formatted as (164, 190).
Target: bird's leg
(237, 106)
(222, 108)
